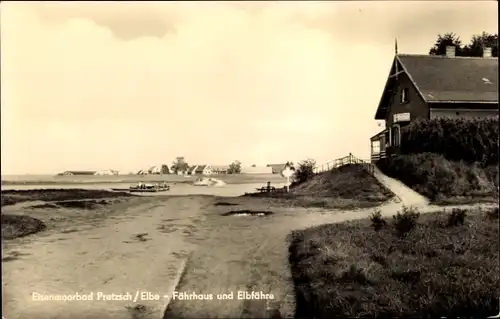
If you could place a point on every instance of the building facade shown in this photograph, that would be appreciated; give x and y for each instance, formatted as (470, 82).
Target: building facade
(423, 86)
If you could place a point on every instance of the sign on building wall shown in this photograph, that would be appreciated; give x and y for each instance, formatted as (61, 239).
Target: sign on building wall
(401, 117)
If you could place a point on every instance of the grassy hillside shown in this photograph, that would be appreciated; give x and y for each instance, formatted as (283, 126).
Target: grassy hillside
(344, 187)
(441, 180)
(448, 160)
(430, 266)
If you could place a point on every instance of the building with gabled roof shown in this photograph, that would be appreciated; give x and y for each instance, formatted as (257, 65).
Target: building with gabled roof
(426, 86)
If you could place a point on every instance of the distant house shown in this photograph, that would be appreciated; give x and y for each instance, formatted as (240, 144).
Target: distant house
(107, 172)
(220, 169)
(257, 170)
(142, 172)
(203, 170)
(78, 173)
(425, 86)
(191, 170)
(277, 168)
(154, 170)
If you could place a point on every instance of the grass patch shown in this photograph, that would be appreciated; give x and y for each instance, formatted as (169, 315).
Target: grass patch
(82, 204)
(349, 186)
(444, 182)
(11, 197)
(14, 226)
(446, 265)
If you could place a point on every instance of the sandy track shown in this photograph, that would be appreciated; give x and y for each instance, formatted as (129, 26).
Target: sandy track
(403, 193)
(250, 253)
(102, 256)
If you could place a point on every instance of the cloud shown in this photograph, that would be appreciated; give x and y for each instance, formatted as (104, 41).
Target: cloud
(124, 84)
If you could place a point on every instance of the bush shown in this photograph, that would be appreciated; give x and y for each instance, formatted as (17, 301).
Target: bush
(457, 217)
(377, 221)
(434, 176)
(458, 139)
(346, 270)
(304, 172)
(405, 221)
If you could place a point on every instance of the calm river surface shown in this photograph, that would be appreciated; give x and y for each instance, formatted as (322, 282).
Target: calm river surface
(175, 189)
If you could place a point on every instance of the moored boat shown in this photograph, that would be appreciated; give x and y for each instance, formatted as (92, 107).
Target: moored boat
(149, 188)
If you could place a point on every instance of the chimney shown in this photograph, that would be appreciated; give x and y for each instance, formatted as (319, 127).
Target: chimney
(450, 51)
(486, 52)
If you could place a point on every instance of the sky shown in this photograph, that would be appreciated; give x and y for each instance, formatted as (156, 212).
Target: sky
(128, 85)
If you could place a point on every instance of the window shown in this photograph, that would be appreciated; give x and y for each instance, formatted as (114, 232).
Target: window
(375, 147)
(396, 137)
(404, 96)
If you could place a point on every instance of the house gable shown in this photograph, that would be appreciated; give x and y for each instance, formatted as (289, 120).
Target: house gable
(389, 104)
(411, 103)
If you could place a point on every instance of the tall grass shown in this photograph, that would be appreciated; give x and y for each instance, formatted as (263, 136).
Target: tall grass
(434, 176)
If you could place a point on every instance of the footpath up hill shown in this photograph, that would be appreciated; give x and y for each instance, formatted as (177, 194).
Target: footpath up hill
(450, 161)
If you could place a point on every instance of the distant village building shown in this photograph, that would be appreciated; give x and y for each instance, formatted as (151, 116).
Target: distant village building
(203, 170)
(107, 172)
(191, 170)
(220, 169)
(154, 170)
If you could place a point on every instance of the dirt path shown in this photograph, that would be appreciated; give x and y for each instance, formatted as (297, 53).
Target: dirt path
(107, 257)
(108, 254)
(403, 193)
(250, 253)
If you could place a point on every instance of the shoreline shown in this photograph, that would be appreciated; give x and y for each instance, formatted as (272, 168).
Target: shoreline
(172, 179)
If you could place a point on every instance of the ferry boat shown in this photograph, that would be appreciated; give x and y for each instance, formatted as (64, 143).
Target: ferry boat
(146, 188)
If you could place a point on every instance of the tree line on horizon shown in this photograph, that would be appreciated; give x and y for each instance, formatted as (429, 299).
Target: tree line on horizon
(473, 49)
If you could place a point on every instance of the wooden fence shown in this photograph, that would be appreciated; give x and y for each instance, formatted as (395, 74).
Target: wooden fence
(346, 160)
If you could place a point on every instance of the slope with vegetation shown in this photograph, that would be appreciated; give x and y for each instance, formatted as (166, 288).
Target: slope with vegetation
(349, 186)
(412, 266)
(448, 160)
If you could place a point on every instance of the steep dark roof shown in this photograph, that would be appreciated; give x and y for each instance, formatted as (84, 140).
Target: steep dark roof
(441, 79)
(200, 168)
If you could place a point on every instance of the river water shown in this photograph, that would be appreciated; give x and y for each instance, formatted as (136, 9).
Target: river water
(229, 190)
